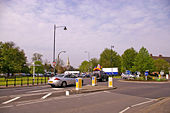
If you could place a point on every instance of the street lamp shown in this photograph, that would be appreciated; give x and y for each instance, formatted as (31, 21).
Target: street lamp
(88, 59)
(54, 63)
(33, 71)
(111, 64)
(59, 59)
(111, 56)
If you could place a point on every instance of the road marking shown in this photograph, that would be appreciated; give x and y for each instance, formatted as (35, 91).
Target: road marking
(124, 110)
(142, 103)
(44, 97)
(57, 88)
(11, 100)
(137, 105)
(107, 91)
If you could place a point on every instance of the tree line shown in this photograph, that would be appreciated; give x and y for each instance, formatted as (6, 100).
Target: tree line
(13, 60)
(129, 60)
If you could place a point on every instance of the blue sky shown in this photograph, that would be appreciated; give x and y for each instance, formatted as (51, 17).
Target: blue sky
(93, 25)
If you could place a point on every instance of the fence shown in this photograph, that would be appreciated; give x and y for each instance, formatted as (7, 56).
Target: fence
(13, 81)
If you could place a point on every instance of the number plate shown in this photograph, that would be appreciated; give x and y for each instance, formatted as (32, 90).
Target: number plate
(50, 81)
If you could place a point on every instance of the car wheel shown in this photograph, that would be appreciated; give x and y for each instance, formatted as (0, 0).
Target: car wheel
(64, 84)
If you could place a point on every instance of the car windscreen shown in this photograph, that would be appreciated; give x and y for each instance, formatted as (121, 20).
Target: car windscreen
(60, 75)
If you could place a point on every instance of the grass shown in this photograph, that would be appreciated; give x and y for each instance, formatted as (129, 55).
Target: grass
(150, 78)
(25, 80)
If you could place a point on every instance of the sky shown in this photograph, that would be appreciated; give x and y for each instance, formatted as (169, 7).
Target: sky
(92, 26)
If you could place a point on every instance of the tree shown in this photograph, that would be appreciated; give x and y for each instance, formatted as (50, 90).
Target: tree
(161, 64)
(127, 59)
(93, 62)
(108, 56)
(12, 59)
(39, 68)
(84, 66)
(37, 57)
(143, 61)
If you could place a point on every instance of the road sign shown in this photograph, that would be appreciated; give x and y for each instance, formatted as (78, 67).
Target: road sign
(128, 72)
(54, 63)
(162, 73)
(146, 73)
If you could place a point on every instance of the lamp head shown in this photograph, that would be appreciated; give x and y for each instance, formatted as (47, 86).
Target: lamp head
(65, 28)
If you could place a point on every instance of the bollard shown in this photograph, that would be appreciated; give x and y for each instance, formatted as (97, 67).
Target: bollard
(67, 93)
(78, 83)
(159, 76)
(94, 81)
(110, 82)
(167, 76)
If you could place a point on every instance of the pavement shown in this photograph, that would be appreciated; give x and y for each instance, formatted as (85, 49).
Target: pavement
(162, 106)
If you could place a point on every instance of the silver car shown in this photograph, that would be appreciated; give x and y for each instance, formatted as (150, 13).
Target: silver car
(62, 80)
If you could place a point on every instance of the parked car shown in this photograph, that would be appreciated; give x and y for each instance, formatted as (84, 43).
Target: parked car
(100, 76)
(62, 80)
(126, 76)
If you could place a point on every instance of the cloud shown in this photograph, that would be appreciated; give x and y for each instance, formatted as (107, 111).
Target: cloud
(92, 26)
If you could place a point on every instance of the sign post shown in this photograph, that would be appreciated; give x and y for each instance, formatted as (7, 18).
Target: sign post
(110, 82)
(167, 76)
(78, 83)
(146, 74)
(93, 81)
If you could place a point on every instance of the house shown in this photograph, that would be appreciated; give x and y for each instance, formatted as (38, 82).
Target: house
(161, 57)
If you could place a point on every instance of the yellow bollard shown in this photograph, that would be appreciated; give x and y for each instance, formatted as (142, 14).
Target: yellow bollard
(94, 81)
(110, 82)
(78, 83)
(159, 76)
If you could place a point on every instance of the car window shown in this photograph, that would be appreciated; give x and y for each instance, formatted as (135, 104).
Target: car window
(67, 76)
(60, 75)
(73, 76)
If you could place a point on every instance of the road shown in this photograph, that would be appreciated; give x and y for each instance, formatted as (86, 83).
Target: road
(135, 95)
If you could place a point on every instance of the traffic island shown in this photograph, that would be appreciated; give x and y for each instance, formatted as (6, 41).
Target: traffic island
(89, 89)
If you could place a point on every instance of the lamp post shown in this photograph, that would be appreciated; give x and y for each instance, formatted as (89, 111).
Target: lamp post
(88, 59)
(58, 59)
(111, 63)
(33, 71)
(54, 63)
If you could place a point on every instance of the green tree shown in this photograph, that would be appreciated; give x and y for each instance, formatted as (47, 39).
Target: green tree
(84, 66)
(12, 59)
(161, 64)
(143, 61)
(127, 59)
(39, 68)
(108, 56)
(93, 62)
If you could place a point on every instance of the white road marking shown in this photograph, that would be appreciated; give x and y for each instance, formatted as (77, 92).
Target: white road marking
(11, 100)
(106, 91)
(124, 110)
(142, 103)
(44, 90)
(151, 100)
(57, 88)
(44, 97)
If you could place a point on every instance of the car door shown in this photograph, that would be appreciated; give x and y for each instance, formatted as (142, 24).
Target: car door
(67, 79)
(73, 81)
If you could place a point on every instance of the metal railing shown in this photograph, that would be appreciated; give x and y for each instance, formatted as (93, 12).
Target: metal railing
(19, 80)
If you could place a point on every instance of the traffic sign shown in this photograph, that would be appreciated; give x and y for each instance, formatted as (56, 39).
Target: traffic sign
(146, 73)
(54, 63)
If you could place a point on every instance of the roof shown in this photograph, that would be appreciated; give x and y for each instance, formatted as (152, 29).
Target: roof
(161, 57)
